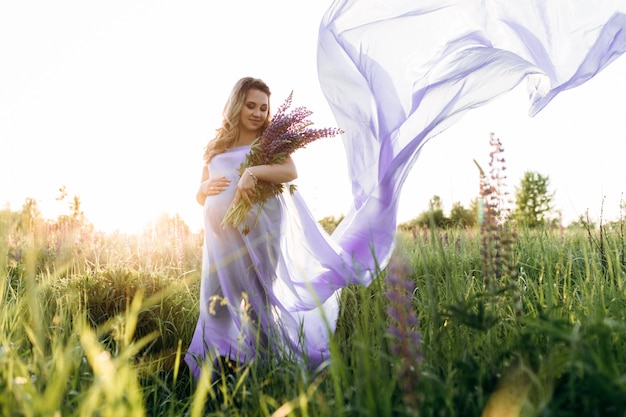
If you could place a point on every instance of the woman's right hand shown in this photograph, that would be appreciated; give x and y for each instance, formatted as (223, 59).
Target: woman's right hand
(214, 186)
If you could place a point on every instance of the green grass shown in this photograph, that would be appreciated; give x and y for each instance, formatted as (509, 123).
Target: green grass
(97, 325)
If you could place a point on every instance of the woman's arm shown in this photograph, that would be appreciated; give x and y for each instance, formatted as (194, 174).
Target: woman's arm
(210, 186)
(202, 189)
(276, 173)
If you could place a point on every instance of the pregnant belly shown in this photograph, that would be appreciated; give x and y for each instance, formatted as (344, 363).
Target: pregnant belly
(216, 206)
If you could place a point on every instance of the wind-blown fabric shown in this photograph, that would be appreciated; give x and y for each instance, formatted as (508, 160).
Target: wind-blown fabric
(395, 73)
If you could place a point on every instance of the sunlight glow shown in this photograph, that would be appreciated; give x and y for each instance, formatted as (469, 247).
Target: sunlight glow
(116, 102)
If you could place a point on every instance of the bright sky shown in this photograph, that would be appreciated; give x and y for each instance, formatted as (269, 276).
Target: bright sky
(115, 101)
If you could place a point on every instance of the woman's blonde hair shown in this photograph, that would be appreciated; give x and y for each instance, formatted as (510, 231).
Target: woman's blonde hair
(228, 133)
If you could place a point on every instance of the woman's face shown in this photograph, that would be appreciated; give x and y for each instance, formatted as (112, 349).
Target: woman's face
(254, 111)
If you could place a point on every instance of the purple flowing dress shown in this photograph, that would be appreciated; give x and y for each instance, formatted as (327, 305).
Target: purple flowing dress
(257, 291)
(395, 75)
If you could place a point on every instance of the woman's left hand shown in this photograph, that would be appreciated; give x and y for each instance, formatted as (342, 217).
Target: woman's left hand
(245, 188)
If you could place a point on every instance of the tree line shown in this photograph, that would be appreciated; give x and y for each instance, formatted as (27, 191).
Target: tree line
(532, 207)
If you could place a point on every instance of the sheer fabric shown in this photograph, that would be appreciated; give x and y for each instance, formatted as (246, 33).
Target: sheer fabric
(395, 73)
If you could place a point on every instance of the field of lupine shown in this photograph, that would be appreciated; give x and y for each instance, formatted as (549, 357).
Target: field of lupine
(490, 321)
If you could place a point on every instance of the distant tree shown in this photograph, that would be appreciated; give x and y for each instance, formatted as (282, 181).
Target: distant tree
(435, 204)
(30, 215)
(583, 222)
(76, 220)
(167, 225)
(76, 210)
(533, 200)
(434, 215)
(461, 217)
(473, 208)
(76, 217)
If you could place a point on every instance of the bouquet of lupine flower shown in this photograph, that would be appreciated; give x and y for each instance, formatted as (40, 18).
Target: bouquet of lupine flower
(286, 132)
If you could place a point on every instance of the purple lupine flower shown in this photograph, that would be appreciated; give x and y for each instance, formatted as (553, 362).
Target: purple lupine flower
(403, 329)
(497, 238)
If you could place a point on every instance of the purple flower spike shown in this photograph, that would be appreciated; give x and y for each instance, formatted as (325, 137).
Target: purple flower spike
(403, 328)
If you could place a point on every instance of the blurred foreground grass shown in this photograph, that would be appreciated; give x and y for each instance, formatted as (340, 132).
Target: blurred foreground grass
(94, 324)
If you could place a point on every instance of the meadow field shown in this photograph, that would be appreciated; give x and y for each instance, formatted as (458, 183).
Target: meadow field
(463, 322)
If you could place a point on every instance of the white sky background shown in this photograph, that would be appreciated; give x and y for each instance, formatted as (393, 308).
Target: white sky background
(115, 100)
